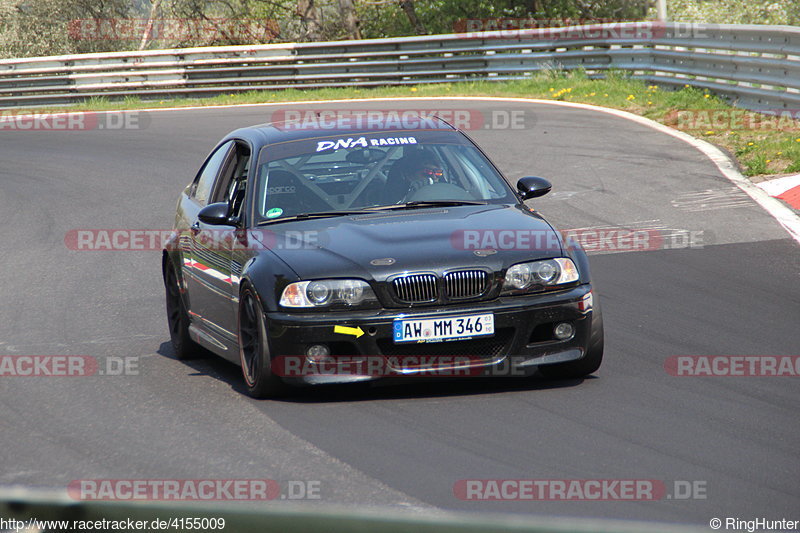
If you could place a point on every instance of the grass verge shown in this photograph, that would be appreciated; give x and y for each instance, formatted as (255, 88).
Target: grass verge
(764, 146)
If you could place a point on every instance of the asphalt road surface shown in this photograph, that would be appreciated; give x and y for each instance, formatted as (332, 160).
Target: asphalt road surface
(405, 445)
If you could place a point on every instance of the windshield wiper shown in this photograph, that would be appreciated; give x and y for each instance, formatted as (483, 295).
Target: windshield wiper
(368, 210)
(318, 214)
(425, 203)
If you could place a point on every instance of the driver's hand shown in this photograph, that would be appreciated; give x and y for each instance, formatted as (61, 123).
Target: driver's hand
(416, 185)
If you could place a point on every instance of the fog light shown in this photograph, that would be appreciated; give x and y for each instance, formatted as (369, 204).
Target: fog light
(564, 331)
(317, 353)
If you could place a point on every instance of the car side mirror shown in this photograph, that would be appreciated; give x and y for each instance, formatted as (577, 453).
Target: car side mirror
(215, 214)
(533, 187)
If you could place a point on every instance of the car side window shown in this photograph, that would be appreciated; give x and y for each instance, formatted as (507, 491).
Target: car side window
(204, 183)
(232, 181)
(235, 171)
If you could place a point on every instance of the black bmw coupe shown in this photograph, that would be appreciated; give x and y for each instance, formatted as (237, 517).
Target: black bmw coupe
(312, 256)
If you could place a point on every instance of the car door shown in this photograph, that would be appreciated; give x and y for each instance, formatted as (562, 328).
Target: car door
(212, 247)
(199, 196)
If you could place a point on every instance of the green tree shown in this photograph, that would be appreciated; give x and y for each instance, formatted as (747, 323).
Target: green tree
(48, 27)
(389, 18)
(735, 11)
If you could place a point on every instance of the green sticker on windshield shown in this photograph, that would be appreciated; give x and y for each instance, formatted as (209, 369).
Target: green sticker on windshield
(275, 212)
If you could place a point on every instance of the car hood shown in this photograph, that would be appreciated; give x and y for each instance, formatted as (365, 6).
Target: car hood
(430, 239)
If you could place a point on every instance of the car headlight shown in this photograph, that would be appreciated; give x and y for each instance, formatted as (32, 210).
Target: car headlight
(539, 275)
(328, 292)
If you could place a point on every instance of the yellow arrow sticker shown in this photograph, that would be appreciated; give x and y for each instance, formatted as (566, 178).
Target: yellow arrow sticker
(344, 330)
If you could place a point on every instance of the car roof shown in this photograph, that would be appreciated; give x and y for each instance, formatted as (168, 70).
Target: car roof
(283, 131)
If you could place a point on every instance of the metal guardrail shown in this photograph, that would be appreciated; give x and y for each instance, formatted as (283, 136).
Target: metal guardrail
(757, 67)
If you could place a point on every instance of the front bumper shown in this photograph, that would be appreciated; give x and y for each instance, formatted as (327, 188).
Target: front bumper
(523, 340)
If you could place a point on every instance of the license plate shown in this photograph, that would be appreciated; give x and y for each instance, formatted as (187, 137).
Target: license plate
(443, 328)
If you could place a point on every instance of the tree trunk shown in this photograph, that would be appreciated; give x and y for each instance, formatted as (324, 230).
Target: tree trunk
(149, 28)
(350, 18)
(309, 15)
(411, 13)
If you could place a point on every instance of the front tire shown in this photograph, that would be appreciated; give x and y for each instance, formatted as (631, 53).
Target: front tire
(253, 349)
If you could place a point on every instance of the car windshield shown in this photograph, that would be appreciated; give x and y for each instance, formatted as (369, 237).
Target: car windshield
(346, 173)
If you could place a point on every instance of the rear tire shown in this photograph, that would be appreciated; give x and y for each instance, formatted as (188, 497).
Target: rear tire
(254, 351)
(178, 318)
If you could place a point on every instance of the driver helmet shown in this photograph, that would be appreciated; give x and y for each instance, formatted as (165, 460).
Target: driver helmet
(425, 169)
